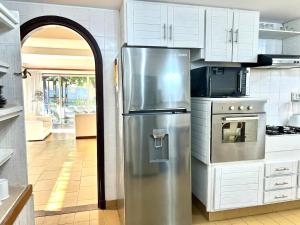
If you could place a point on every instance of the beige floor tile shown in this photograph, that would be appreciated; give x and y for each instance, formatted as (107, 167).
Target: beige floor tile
(55, 170)
(66, 218)
(82, 216)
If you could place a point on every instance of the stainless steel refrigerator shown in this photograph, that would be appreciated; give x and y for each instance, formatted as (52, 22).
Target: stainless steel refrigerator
(153, 138)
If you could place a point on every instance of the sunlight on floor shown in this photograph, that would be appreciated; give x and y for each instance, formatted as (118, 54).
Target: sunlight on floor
(63, 172)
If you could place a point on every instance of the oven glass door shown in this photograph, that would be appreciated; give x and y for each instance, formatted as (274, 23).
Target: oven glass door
(239, 129)
(238, 137)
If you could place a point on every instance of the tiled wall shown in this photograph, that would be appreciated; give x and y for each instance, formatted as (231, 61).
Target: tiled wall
(276, 86)
(104, 26)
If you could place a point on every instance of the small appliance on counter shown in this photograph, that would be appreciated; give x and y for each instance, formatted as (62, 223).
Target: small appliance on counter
(2, 99)
(219, 82)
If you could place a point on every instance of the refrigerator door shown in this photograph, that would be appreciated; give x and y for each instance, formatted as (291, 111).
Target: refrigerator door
(157, 169)
(155, 79)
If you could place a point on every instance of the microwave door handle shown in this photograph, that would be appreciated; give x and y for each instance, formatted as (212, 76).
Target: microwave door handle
(240, 81)
(241, 118)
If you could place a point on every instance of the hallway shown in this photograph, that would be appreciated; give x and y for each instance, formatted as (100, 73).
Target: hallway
(63, 172)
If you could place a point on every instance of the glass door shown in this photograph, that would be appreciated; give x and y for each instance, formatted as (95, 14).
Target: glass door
(67, 95)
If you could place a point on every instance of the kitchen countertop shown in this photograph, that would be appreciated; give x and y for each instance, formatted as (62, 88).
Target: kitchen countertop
(11, 207)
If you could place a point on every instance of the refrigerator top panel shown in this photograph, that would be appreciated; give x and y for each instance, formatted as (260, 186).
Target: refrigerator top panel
(155, 79)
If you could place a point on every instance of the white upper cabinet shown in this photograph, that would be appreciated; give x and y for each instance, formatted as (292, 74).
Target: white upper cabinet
(219, 30)
(167, 25)
(231, 35)
(146, 23)
(246, 32)
(185, 26)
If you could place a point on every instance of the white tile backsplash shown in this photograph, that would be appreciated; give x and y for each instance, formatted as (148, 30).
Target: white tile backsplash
(104, 26)
(276, 86)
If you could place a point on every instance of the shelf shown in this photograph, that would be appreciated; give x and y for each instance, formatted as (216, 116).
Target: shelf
(18, 198)
(3, 67)
(10, 111)
(5, 155)
(7, 20)
(277, 34)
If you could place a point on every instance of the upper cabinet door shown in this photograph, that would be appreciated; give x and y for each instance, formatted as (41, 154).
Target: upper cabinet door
(147, 23)
(186, 26)
(219, 35)
(245, 36)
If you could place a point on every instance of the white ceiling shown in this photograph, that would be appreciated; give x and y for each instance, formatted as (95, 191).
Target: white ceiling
(57, 48)
(273, 10)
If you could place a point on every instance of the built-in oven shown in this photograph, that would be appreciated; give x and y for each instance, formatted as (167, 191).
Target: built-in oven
(219, 82)
(238, 131)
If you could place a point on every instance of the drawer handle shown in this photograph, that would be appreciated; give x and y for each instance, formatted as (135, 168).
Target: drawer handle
(280, 184)
(281, 169)
(281, 197)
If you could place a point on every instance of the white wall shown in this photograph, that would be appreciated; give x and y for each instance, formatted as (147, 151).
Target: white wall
(104, 26)
(275, 85)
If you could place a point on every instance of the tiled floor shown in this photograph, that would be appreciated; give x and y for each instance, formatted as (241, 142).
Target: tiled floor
(110, 217)
(63, 172)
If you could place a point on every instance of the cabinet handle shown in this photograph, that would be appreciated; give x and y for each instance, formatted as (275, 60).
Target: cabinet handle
(171, 30)
(230, 35)
(165, 35)
(237, 36)
(281, 197)
(280, 184)
(281, 169)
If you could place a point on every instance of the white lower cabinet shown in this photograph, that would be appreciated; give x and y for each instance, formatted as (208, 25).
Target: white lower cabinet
(280, 181)
(238, 186)
(280, 195)
(273, 183)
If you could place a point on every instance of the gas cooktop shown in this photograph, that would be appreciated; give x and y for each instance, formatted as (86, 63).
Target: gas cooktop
(281, 130)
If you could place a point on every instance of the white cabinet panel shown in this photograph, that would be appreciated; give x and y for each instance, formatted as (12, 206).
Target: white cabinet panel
(272, 183)
(281, 168)
(185, 26)
(245, 36)
(238, 186)
(280, 195)
(147, 23)
(218, 45)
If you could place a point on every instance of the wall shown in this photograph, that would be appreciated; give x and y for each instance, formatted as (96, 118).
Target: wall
(276, 86)
(104, 26)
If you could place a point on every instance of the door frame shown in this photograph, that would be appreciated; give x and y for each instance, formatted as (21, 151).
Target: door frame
(26, 29)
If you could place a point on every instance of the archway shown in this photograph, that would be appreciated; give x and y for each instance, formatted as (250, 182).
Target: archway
(38, 22)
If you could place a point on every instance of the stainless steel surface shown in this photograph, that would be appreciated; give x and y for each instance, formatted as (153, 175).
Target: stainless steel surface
(171, 30)
(165, 32)
(238, 131)
(156, 78)
(249, 106)
(153, 148)
(157, 180)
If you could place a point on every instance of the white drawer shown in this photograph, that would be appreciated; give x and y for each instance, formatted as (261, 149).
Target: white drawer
(280, 195)
(281, 168)
(273, 183)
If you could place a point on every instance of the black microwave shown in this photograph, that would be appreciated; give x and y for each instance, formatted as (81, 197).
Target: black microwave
(219, 82)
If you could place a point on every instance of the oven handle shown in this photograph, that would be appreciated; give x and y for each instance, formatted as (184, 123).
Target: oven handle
(241, 118)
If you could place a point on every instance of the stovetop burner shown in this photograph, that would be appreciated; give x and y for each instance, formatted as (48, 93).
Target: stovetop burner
(281, 130)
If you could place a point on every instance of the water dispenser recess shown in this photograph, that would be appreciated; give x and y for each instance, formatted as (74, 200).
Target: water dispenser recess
(160, 142)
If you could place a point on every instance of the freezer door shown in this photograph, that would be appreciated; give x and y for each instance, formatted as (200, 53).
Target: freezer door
(157, 169)
(156, 78)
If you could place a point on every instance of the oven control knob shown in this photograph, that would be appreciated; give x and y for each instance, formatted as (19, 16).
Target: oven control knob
(231, 108)
(241, 107)
(250, 107)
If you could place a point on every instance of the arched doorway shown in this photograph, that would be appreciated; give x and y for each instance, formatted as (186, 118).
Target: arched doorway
(38, 22)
